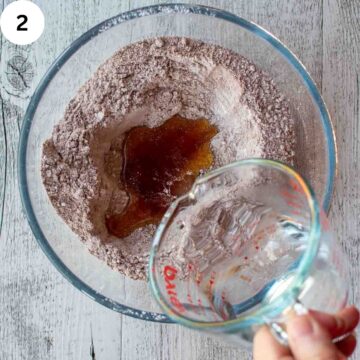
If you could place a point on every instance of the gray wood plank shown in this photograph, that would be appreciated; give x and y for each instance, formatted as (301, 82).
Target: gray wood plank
(45, 316)
(341, 91)
(41, 315)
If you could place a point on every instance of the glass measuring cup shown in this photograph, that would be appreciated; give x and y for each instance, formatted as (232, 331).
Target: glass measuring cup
(244, 247)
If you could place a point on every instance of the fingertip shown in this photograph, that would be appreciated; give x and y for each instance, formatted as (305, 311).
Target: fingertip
(354, 312)
(347, 345)
(338, 324)
(348, 319)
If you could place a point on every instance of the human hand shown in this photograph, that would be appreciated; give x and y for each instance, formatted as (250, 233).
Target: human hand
(310, 337)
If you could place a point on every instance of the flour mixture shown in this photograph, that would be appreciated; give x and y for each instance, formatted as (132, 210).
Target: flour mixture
(144, 85)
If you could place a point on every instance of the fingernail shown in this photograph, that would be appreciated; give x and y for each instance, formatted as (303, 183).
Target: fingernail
(301, 326)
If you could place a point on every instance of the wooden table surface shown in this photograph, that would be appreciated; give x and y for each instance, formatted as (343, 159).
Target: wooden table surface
(42, 316)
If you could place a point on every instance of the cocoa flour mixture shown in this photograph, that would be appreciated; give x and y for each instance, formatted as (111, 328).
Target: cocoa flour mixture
(144, 84)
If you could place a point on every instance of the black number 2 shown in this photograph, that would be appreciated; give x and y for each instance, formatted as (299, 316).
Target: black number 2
(20, 26)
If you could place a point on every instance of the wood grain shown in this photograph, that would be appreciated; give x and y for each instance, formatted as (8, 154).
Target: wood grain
(44, 317)
(340, 88)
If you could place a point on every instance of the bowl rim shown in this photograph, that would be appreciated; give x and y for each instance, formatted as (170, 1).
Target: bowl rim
(174, 8)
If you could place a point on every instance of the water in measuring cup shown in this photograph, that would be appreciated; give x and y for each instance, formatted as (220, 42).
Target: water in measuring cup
(239, 253)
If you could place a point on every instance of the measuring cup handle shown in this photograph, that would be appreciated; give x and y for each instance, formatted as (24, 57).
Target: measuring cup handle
(278, 330)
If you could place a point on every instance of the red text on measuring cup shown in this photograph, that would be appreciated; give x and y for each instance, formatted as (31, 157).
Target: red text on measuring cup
(169, 277)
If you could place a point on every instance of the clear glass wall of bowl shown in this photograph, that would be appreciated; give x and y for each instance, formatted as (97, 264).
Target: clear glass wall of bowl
(315, 157)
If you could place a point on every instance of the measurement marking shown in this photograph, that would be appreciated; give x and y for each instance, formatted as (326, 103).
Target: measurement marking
(199, 278)
(295, 186)
(293, 204)
(289, 195)
(201, 306)
(223, 298)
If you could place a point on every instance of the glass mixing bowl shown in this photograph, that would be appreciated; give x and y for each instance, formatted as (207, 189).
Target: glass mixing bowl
(316, 152)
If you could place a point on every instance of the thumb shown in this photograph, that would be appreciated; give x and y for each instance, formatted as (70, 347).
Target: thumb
(309, 341)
